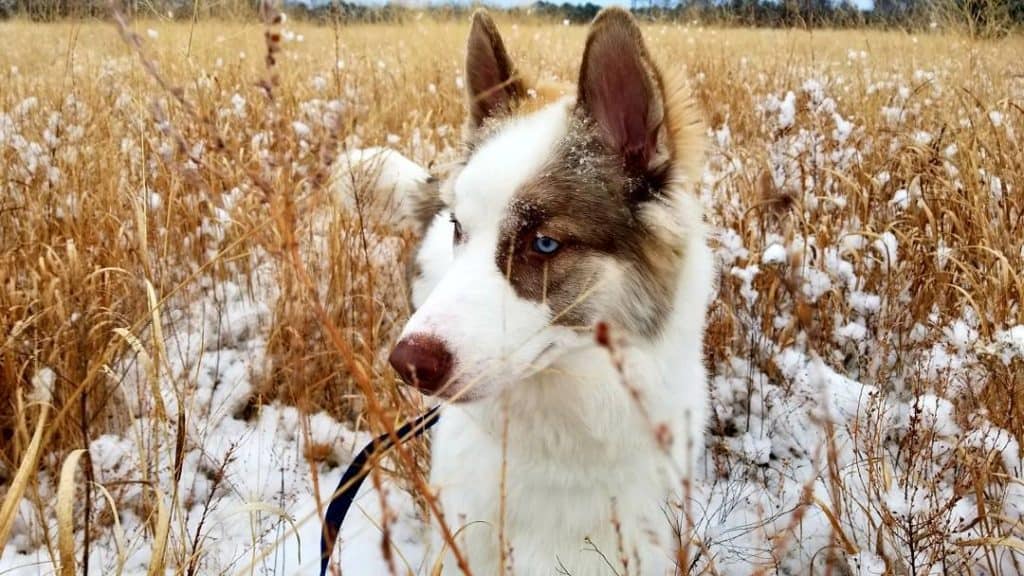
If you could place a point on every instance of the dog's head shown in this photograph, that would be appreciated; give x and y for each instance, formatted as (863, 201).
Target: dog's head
(569, 210)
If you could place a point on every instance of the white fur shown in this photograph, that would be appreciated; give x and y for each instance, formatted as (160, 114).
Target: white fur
(590, 442)
(496, 337)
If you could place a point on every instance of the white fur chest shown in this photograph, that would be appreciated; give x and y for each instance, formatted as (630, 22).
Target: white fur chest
(582, 483)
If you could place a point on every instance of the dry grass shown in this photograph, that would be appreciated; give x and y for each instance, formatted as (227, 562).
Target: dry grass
(124, 201)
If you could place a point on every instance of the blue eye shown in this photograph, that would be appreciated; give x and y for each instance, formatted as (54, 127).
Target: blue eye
(546, 245)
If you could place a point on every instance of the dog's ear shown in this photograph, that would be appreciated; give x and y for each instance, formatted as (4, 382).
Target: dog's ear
(492, 83)
(621, 91)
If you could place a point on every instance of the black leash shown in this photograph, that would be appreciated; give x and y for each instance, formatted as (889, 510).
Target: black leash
(353, 478)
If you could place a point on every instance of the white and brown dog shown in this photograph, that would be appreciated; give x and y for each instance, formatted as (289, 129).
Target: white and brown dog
(562, 287)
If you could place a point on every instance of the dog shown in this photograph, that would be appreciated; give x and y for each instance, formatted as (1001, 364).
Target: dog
(560, 295)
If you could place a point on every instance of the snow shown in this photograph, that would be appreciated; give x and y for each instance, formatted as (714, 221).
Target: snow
(252, 473)
(238, 105)
(886, 247)
(757, 450)
(816, 283)
(1011, 342)
(935, 413)
(853, 331)
(774, 254)
(961, 335)
(843, 129)
(866, 563)
(730, 247)
(864, 303)
(852, 243)
(301, 129)
(723, 136)
(784, 109)
(901, 199)
(894, 115)
(42, 385)
(747, 274)
(992, 439)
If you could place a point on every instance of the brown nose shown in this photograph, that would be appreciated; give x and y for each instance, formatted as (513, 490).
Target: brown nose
(423, 362)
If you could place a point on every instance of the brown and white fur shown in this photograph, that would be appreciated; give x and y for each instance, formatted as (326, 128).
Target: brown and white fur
(563, 283)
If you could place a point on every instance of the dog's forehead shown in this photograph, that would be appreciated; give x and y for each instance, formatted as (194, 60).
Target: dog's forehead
(514, 155)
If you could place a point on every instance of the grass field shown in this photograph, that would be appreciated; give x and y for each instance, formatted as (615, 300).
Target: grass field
(181, 294)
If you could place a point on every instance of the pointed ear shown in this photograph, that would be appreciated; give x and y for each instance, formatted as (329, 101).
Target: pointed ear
(621, 91)
(492, 83)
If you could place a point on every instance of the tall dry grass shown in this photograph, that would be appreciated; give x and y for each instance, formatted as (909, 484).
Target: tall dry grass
(138, 177)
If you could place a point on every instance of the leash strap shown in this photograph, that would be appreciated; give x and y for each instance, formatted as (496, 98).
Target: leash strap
(352, 479)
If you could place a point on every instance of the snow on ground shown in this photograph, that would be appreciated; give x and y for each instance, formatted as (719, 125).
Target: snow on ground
(245, 484)
(265, 486)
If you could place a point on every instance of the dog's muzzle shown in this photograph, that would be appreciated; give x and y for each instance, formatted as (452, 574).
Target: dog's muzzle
(423, 362)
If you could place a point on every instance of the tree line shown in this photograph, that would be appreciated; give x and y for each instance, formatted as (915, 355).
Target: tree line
(976, 17)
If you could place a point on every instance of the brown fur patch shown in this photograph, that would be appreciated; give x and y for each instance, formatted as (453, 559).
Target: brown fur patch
(581, 200)
(614, 42)
(492, 82)
(496, 89)
(602, 210)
